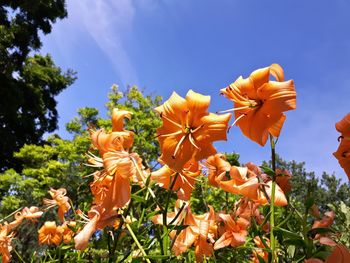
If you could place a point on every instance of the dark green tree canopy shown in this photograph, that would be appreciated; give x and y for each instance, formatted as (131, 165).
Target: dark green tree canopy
(28, 84)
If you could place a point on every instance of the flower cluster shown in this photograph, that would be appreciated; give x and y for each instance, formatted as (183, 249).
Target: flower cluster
(111, 185)
(187, 153)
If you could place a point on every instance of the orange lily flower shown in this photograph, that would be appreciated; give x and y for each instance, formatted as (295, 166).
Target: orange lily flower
(30, 213)
(200, 232)
(343, 155)
(50, 234)
(283, 178)
(325, 222)
(343, 126)
(204, 243)
(343, 151)
(242, 182)
(27, 213)
(185, 179)
(5, 242)
(188, 130)
(280, 198)
(245, 182)
(259, 103)
(99, 186)
(200, 229)
(247, 209)
(314, 260)
(98, 218)
(111, 186)
(217, 165)
(59, 199)
(234, 232)
(120, 165)
(68, 233)
(262, 253)
(119, 139)
(340, 254)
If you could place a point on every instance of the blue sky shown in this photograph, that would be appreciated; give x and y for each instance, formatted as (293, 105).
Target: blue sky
(167, 45)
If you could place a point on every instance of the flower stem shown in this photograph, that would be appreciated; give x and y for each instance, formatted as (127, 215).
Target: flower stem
(165, 214)
(136, 240)
(14, 212)
(272, 203)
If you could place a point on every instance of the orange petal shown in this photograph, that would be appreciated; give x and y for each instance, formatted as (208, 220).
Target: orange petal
(283, 180)
(214, 127)
(343, 155)
(275, 129)
(223, 241)
(327, 241)
(203, 248)
(343, 126)
(162, 176)
(326, 221)
(277, 71)
(340, 254)
(280, 198)
(198, 105)
(216, 165)
(174, 109)
(248, 189)
(81, 240)
(118, 117)
(314, 260)
(260, 77)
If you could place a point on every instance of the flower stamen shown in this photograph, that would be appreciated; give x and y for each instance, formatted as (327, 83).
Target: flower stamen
(178, 145)
(192, 142)
(169, 134)
(169, 120)
(235, 109)
(236, 120)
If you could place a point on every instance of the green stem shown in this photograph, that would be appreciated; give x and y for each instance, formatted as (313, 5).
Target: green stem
(18, 255)
(170, 190)
(143, 212)
(14, 212)
(119, 231)
(272, 203)
(136, 240)
(165, 214)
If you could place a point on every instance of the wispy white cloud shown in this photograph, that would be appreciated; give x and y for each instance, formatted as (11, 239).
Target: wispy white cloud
(108, 22)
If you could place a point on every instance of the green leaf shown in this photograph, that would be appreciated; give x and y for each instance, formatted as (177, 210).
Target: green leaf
(156, 257)
(321, 230)
(138, 199)
(297, 242)
(309, 202)
(267, 170)
(152, 214)
(287, 233)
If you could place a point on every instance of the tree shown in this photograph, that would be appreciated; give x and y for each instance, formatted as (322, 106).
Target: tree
(28, 84)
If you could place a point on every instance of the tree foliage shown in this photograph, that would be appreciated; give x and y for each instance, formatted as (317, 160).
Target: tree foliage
(324, 189)
(29, 83)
